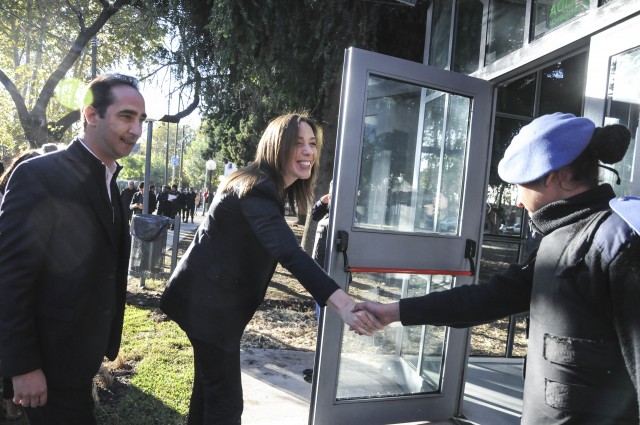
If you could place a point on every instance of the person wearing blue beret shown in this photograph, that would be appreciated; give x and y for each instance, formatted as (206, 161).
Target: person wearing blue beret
(581, 286)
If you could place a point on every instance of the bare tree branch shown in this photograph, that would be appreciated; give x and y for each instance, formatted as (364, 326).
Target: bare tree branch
(79, 44)
(18, 100)
(63, 124)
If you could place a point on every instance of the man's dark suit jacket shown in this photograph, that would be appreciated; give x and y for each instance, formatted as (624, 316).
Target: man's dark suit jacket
(222, 278)
(63, 268)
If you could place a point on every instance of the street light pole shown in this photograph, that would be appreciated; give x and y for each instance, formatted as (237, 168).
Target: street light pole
(210, 165)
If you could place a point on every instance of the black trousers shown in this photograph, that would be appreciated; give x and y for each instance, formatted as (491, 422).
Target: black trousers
(65, 406)
(217, 387)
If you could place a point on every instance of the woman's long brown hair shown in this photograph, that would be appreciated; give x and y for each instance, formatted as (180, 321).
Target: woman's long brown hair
(277, 144)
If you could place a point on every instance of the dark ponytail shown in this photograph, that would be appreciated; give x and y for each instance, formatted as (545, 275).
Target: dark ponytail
(608, 144)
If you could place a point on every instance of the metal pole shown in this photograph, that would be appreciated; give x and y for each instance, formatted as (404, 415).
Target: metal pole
(175, 154)
(147, 169)
(181, 157)
(94, 57)
(147, 177)
(166, 157)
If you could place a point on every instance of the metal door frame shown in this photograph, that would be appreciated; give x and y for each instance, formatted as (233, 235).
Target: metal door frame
(358, 65)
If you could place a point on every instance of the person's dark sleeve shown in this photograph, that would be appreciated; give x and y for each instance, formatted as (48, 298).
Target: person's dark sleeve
(135, 199)
(319, 210)
(261, 209)
(24, 232)
(505, 294)
(153, 203)
(624, 287)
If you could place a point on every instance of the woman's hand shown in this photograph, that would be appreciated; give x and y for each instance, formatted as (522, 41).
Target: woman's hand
(385, 313)
(360, 321)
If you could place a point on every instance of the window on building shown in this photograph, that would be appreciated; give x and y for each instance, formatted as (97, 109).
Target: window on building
(518, 97)
(468, 36)
(551, 14)
(440, 34)
(562, 86)
(505, 33)
(623, 107)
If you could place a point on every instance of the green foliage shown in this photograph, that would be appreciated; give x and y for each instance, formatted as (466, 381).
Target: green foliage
(38, 51)
(260, 59)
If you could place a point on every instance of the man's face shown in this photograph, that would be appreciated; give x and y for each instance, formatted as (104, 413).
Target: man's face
(113, 136)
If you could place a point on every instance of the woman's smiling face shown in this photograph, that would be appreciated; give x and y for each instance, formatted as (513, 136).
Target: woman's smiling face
(301, 162)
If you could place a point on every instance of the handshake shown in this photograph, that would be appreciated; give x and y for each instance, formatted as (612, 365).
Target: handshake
(366, 317)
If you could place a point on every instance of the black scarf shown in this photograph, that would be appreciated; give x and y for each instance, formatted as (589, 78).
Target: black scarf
(567, 211)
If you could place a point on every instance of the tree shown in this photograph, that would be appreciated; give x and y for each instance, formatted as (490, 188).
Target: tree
(39, 55)
(265, 58)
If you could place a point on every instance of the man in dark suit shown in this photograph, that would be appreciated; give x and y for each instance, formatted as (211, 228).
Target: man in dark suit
(127, 195)
(63, 265)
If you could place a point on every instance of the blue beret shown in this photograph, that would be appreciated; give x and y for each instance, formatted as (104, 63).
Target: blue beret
(546, 144)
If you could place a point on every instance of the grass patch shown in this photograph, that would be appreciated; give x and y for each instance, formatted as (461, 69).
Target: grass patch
(153, 374)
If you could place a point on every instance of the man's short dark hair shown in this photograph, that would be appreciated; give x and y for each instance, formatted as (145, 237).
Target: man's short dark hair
(99, 93)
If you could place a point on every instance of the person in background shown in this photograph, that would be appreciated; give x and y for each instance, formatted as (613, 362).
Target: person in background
(175, 196)
(205, 196)
(320, 214)
(190, 205)
(127, 195)
(137, 200)
(581, 286)
(223, 277)
(4, 176)
(165, 205)
(153, 200)
(64, 255)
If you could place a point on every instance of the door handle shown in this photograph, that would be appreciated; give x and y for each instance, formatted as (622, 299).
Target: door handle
(342, 243)
(470, 254)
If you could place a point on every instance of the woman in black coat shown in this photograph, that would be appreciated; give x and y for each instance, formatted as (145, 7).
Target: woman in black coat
(223, 277)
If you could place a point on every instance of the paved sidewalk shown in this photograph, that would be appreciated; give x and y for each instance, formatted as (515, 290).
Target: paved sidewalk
(276, 394)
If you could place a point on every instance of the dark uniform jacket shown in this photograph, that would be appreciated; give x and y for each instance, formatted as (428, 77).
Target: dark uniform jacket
(582, 287)
(63, 268)
(222, 278)
(165, 206)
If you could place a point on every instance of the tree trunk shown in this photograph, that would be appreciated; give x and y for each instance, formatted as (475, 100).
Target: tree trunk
(330, 127)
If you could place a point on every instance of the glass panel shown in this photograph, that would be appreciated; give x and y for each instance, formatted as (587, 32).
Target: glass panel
(466, 56)
(491, 339)
(518, 96)
(440, 34)
(398, 360)
(562, 86)
(550, 14)
(506, 28)
(413, 158)
(501, 196)
(623, 107)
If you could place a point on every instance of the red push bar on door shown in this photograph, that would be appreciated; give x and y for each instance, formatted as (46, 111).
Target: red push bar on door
(409, 271)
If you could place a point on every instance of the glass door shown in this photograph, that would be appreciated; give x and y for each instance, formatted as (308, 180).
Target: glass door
(613, 95)
(406, 214)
